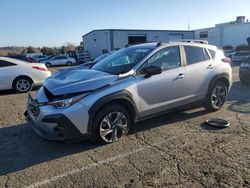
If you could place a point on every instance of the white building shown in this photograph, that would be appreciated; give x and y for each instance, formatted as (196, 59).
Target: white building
(98, 42)
(231, 33)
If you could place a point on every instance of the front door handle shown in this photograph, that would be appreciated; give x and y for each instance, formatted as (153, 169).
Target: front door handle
(180, 76)
(210, 67)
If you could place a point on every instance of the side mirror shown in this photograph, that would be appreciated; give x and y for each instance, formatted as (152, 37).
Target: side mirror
(151, 70)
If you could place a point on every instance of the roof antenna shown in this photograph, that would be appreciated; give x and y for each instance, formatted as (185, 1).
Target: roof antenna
(188, 24)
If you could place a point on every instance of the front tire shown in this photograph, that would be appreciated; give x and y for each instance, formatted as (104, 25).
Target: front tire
(22, 84)
(216, 96)
(110, 124)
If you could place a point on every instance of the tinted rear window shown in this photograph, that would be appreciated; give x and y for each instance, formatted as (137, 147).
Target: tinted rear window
(194, 54)
(6, 64)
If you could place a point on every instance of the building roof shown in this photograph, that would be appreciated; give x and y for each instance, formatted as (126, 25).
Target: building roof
(145, 30)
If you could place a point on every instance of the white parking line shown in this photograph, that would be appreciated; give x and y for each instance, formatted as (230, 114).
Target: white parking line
(99, 163)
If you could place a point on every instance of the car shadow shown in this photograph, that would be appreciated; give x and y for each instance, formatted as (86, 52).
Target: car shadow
(166, 119)
(13, 92)
(239, 98)
(21, 148)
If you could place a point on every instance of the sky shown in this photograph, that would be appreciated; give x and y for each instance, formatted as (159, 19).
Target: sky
(53, 23)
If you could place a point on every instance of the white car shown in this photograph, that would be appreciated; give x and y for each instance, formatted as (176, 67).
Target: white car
(59, 60)
(20, 75)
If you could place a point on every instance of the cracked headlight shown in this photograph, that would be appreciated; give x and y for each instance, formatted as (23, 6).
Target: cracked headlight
(64, 103)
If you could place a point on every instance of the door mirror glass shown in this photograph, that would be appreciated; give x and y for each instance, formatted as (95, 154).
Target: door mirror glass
(151, 70)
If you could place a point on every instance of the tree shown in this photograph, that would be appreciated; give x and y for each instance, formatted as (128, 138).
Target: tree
(30, 50)
(63, 50)
(47, 51)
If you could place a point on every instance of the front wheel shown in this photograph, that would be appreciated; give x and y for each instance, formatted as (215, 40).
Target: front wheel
(216, 96)
(110, 124)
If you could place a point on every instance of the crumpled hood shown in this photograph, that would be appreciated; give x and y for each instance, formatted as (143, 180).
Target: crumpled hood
(77, 80)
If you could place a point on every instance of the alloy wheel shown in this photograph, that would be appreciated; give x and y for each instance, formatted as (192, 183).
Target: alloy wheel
(113, 126)
(23, 85)
(219, 96)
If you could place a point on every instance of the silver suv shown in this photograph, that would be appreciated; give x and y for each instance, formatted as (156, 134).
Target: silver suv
(132, 84)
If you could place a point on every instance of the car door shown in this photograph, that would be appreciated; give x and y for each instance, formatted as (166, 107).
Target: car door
(199, 72)
(163, 91)
(7, 74)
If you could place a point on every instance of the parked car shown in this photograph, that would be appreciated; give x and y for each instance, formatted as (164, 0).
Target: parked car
(98, 59)
(130, 85)
(59, 60)
(24, 58)
(20, 75)
(244, 71)
(82, 56)
(229, 53)
(40, 58)
(240, 56)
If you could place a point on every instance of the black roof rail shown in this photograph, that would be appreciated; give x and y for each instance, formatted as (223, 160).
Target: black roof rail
(195, 41)
(159, 44)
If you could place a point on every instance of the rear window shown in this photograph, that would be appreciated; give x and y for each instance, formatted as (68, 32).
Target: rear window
(212, 53)
(194, 54)
(6, 64)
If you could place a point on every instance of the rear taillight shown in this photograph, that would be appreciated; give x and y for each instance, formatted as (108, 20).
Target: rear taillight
(226, 60)
(40, 68)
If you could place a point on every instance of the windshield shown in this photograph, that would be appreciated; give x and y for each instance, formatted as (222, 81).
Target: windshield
(122, 61)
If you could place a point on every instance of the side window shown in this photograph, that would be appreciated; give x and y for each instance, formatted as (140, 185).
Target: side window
(206, 56)
(6, 64)
(212, 53)
(194, 54)
(168, 58)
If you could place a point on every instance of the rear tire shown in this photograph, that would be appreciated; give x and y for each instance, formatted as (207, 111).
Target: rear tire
(22, 84)
(110, 124)
(48, 65)
(69, 63)
(216, 96)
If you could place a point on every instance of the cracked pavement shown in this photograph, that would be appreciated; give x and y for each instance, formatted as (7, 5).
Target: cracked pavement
(172, 150)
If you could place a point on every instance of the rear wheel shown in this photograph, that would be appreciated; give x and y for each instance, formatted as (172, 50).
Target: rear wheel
(22, 84)
(110, 124)
(48, 64)
(216, 96)
(69, 63)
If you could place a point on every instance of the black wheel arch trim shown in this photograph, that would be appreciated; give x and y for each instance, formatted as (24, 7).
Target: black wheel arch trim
(218, 77)
(116, 97)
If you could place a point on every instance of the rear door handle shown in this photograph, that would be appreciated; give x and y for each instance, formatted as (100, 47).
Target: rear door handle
(210, 67)
(180, 76)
